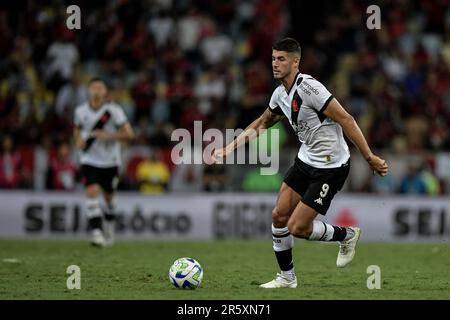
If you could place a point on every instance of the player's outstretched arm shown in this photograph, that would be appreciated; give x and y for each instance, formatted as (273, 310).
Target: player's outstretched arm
(265, 121)
(336, 112)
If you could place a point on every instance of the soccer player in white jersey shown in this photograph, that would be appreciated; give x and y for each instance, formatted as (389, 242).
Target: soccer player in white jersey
(99, 127)
(320, 168)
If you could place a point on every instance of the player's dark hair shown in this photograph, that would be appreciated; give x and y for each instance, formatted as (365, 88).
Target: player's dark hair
(98, 79)
(288, 45)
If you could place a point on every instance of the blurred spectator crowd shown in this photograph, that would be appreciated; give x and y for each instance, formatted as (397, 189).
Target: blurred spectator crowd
(171, 62)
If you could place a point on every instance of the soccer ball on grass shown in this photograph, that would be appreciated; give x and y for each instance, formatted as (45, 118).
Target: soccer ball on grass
(186, 273)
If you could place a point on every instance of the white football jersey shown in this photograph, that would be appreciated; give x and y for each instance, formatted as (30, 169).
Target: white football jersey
(323, 143)
(102, 154)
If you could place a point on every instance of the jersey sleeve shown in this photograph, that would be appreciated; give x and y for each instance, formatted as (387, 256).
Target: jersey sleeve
(119, 116)
(315, 95)
(274, 104)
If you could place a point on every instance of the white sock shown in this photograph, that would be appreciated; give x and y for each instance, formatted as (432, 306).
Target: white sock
(282, 239)
(93, 208)
(321, 231)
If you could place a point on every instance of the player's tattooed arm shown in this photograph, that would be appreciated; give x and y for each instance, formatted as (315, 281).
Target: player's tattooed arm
(269, 118)
(257, 127)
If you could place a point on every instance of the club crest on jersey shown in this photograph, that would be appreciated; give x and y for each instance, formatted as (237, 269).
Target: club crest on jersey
(105, 117)
(294, 105)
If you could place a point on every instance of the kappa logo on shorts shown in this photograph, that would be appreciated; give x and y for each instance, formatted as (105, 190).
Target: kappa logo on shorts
(319, 201)
(323, 193)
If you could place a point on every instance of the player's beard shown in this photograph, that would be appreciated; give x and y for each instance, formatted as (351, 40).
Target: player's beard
(280, 76)
(97, 101)
(277, 76)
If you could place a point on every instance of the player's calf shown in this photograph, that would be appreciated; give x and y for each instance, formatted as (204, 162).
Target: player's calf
(94, 214)
(283, 242)
(322, 231)
(109, 222)
(299, 229)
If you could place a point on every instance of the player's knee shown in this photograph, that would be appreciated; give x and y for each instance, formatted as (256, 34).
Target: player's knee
(279, 219)
(92, 191)
(299, 229)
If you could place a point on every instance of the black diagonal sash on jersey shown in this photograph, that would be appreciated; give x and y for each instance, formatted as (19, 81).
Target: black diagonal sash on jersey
(99, 125)
(295, 109)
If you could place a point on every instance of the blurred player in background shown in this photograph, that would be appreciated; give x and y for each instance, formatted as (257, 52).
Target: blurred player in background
(321, 166)
(100, 125)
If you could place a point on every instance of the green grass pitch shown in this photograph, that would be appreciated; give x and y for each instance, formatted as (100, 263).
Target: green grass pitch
(232, 270)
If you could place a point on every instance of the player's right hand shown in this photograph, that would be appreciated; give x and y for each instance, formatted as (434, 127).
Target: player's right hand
(219, 154)
(378, 165)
